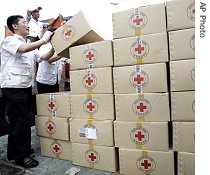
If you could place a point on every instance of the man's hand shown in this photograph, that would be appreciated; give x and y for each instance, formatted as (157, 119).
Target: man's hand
(47, 36)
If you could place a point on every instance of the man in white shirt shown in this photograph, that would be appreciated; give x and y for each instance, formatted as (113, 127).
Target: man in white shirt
(36, 27)
(49, 72)
(17, 68)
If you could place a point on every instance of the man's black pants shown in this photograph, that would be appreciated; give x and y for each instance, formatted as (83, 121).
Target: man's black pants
(18, 104)
(46, 88)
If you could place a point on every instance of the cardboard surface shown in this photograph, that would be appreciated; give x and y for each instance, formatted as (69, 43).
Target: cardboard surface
(151, 48)
(54, 104)
(182, 44)
(147, 77)
(183, 106)
(184, 136)
(100, 132)
(136, 162)
(56, 148)
(182, 75)
(100, 106)
(52, 127)
(98, 54)
(99, 157)
(180, 14)
(76, 31)
(97, 80)
(141, 20)
(149, 106)
(186, 163)
(143, 136)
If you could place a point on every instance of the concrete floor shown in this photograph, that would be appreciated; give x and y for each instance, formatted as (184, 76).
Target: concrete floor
(47, 166)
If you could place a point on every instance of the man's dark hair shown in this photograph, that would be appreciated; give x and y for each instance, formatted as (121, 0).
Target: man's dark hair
(14, 19)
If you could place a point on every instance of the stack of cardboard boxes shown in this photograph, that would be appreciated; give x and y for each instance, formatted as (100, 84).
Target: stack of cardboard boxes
(91, 99)
(92, 106)
(141, 91)
(181, 31)
(52, 125)
(128, 100)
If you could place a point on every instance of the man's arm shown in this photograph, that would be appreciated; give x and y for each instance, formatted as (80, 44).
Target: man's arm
(34, 45)
(28, 16)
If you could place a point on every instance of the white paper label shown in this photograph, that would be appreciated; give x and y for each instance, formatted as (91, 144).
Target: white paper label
(91, 133)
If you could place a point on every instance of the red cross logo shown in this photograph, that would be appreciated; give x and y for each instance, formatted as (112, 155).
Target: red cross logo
(89, 81)
(56, 148)
(138, 20)
(138, 79)
(51, 105)
(90, 106)
(89, 56)
(139, 49)
(139, 136)
(142, 107)
(92, 157)
(68, 33)
(145, 164)
(50, 127)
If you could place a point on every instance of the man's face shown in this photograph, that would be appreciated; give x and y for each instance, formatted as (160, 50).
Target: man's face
(21, 28)
(35, 14)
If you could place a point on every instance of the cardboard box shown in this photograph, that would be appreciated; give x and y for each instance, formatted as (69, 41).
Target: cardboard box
(145, 78)
(100, 106)
(76, 31)
(186, 163)
(54, 104)
(144, 136)
(136, 162)
(151, 48)
(149, 106)
(97, 80)
(52, 127)
(96, 157)
(183, 106)
(182, 75)
(182, 44)
(98, 54)
(142, 20)
(184, 136)
(56, 148)
(180, 14)
(100, 132)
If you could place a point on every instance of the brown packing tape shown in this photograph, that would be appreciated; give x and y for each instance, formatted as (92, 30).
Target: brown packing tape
(91, 147)
(139, 60)
(137, 32)
(138, 146)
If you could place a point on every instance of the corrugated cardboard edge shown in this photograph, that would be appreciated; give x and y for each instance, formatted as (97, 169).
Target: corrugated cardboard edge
(172, 76)
(175, 137)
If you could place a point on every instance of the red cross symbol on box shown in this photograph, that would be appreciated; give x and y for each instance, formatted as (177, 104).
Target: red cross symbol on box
(139, 49)
(146, 164)
(68, 32)
(92, 157)
(138, 20)
(141, 107)
(139, 136)
(56, 148)
(138, 79)
(51, 105)
(90, 55)
(50, 127)
(89, 81)
(90, 106)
